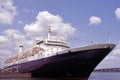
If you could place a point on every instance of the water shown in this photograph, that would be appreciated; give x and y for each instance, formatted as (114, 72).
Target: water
(94, 76)
(105, 76)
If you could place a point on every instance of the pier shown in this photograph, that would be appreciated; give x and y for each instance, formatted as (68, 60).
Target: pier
(108, 70)
(15, 75)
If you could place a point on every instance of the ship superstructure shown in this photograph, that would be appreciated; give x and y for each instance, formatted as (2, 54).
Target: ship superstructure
(43, 48)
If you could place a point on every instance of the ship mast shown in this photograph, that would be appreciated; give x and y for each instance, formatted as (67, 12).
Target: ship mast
(49, 31)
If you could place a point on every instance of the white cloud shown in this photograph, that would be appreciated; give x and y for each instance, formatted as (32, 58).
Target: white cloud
(20, 22)
(5, 52)
(14, 34)
(10, 41)
(117, 12)
(7, 11)
(3, 39)
(94, 20)
(4, 42)
(45, 19)
(17, 37)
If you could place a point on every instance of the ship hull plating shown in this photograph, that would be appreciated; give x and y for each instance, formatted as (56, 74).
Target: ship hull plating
(78, 66)
(71, 64)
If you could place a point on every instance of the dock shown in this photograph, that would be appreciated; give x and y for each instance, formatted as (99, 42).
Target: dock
(107, 70)
(15, 75)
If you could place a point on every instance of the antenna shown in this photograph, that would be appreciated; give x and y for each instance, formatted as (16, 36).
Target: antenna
(108, 37)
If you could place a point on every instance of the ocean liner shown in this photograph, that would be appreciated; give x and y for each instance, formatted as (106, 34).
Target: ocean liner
(53, 57)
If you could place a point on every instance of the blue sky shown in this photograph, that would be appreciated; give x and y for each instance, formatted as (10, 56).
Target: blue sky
(22, 21)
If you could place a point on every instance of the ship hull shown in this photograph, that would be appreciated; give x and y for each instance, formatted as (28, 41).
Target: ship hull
(74, 63)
